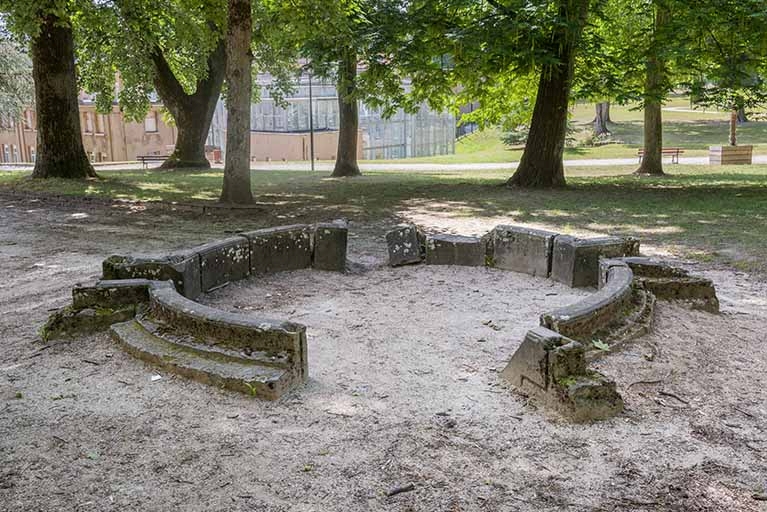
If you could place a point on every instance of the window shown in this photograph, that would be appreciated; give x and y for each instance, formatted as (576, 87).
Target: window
(5, 156)
(150, 122)
(88, 118)
(90, 156)
(28, 123)
(99, 124)
(32, 154)
(15, 151)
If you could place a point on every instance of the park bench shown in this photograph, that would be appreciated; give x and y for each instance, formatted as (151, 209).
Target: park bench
(674, 152)
(145, 159)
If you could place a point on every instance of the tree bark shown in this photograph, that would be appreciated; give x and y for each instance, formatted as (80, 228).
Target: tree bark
(346, 156)
(652, 159)
(734, 126)
(601, 119)
(191, 112)
(541, 163)
(742, 117)
(60, 152)
(236, 187)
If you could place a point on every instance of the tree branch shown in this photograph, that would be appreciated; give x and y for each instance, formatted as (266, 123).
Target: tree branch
(165, 81)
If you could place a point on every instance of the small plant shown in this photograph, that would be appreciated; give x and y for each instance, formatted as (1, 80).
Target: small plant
(600, 345)
(251, 389)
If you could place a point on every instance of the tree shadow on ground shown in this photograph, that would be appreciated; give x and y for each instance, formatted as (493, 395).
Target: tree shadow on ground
(700, 214)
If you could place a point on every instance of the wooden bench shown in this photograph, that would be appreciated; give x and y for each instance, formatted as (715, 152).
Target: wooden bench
(145, 159)
(674, 152)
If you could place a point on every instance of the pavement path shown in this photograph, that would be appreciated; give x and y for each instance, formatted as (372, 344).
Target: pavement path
(415, 167)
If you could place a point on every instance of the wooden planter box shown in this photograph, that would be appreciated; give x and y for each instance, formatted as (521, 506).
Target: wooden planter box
(730, 155)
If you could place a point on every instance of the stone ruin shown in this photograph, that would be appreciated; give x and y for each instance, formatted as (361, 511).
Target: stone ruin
(551, 363)
(148, 304)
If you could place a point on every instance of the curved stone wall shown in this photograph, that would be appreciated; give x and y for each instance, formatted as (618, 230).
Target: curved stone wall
(598, 311)
(550, 364)
(148, 304)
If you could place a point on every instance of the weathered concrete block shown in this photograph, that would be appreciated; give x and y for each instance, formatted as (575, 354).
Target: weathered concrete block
(280, 248)
(181, 267)
(330, 242)
(528, 369)
(111, 294)
(590, 397)
(652, 267)
(671, 283)
(575, 261)
(454, 250)
(404, 245)
(552, 369)
(522, 249)
(223, 261)
(69, 321)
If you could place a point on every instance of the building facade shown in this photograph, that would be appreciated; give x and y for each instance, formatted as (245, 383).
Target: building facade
(279, 132)
(106, 137)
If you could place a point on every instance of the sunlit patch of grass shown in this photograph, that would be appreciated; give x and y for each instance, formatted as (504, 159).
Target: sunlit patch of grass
(710, 213)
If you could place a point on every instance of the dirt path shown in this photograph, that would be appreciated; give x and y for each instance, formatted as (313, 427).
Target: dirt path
(403, 390)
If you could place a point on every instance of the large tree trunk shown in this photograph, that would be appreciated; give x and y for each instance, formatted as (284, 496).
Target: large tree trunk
(191, 112)
(239, 81)
(602, 119)
(734, 127)
(541, 164)
(60, 152)
(742, 117)
(346, 156)
(652, 159)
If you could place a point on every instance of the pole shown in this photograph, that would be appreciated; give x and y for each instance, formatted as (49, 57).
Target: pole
(311, 123)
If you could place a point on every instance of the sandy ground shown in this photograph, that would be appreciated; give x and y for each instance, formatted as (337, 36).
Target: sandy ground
(403, 390)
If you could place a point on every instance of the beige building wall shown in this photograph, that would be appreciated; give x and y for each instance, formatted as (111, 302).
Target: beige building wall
(294, 147)
(106, 137)
(109, 138)
(18, 138)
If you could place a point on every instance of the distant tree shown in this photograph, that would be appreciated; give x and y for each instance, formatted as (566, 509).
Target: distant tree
(354, 43)
(602, 119)
(541, 164)
(174, 47)
(729, 60)
(47, 26)
(482, 48)
(656, 86)
(17, 88)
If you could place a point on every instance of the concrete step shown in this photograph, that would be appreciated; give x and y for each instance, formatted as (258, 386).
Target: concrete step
(209, 367)
(171, 334)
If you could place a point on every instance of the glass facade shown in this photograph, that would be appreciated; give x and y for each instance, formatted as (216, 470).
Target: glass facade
(424, 133)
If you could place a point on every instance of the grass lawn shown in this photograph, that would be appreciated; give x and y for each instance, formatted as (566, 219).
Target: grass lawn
(714, 214)
(694, 131)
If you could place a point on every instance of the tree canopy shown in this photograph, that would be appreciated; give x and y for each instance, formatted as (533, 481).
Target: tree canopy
(16, 88)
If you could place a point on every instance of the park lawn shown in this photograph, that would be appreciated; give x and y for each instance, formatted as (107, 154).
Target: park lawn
(693, 131)
(711, 214)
